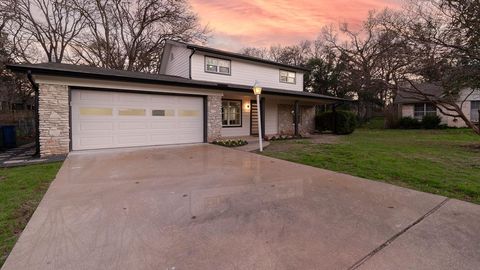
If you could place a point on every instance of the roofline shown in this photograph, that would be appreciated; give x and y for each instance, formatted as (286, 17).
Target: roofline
(237, 55)
(39, 70)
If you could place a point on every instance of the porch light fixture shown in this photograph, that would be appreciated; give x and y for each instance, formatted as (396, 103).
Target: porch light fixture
(257, 90)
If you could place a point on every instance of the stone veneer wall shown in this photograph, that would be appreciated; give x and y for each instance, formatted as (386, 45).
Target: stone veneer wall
(54, 120)
(285, 119)
(214, 121)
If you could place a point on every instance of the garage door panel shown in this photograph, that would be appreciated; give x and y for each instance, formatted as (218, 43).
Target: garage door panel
(129, 125)
(132, 139)
(95, 141)
(114, 119)
(96, 126)
(93, 97)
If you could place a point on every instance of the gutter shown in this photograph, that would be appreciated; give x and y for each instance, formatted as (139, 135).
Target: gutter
(37, 112)
(190, 63)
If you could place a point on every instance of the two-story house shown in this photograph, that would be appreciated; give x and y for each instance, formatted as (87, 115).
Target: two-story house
(202, 94)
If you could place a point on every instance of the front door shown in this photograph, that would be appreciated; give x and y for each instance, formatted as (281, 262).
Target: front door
(253, 118)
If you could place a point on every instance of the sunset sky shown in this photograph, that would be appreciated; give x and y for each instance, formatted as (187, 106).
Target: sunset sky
(260, 23)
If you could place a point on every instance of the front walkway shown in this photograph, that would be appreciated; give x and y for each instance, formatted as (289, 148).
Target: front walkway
(210, 207)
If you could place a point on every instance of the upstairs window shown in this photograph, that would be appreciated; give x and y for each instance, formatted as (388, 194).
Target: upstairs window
(474, 107)
(217, 65)
(424, 109)
(287, 76)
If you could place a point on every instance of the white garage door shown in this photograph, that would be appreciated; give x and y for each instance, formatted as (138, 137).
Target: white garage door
(115, 119)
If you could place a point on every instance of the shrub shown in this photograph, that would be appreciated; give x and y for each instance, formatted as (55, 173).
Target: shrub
(431, 121)
(282, 137)
(409, 123)
(345, 122)
(230, 143)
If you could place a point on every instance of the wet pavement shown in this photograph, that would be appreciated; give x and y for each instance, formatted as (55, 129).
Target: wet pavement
(210, 207)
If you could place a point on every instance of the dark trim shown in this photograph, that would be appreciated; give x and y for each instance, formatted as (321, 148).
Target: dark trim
(66, 70)
(280, 76)
(296, 112)
(241, 112)
(243, 57)
(36, 89)
(211, 72)
(190, 63)
(70, 135)
(205, 119)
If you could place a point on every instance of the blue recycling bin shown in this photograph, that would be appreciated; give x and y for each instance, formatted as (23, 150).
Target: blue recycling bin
(9, 136)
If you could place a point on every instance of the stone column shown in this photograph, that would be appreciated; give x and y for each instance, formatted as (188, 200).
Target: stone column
(53, 120)
(214, 114)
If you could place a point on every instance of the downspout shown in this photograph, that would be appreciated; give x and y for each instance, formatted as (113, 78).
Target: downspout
(37, 113)
(190, 63)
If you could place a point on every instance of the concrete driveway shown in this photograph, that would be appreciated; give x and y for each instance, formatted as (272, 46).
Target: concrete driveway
(208, 207)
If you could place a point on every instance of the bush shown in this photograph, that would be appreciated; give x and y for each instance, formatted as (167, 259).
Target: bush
(431, 121)
(409, 123)
(230, 143)
(345, 122)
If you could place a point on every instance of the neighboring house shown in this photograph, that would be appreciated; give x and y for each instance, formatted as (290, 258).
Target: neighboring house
(202, 94)
(413, 105)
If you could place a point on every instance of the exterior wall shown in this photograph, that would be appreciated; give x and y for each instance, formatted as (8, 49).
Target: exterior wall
(245, 73)
(214, 117)
(306, 123)
(178, 63)
(54, 120)
(407, 110)
(271, 116)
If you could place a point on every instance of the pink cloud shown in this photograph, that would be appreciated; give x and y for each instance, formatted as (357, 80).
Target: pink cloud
(241, 23)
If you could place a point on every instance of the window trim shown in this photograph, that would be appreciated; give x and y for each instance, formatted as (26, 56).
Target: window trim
(286, 70)
(219, 58)
(424, 105)
(241, 114)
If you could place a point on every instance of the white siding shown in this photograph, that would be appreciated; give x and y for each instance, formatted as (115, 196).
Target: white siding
(271, 116)
(178, 62)
(245, 73)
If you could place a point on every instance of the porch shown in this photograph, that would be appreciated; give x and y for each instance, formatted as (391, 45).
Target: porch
(280, 115)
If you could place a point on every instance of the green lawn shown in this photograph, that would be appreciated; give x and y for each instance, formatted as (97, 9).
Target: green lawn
(21, 189)
(445, 162)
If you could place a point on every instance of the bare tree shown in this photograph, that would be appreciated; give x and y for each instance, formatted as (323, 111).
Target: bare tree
(373, 57)
(45, 25)
(131, 35)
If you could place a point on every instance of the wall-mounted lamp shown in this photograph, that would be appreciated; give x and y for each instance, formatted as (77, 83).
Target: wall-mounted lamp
(246, 107)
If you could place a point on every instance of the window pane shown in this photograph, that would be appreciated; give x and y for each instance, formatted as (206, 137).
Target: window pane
(291, 80)
(188, 113)
(131, 112)
(231, 113)
(419, 108)
(474, 107)
(211, 61)
(96, 111)
(291, 74)
(225, 70)
(430, 107)
(211, 68)
(163, 112)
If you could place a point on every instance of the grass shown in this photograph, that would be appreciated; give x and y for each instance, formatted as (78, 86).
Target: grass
(445, 162)
(21, 189)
